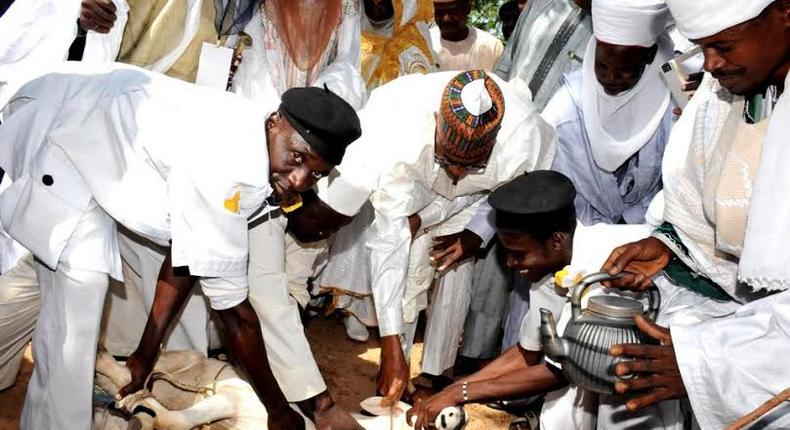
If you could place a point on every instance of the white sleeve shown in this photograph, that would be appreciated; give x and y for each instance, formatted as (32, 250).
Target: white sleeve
(441, 209)
(389, 245)
(389, 261)
(104, 48)
(343, 75)
(482, 224)
(541, 296)
(38, 31)
(224, 293)
(732, 365)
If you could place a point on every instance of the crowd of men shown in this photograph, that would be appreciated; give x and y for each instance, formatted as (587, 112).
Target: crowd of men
(386, 160)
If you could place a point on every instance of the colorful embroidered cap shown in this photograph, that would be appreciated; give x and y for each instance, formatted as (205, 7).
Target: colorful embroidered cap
(470, 114)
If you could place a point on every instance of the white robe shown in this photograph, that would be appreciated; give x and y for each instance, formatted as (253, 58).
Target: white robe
(479, 50)
(549, 41)
(263, 76)
(729, 365)
(396, 162)
(103, 152)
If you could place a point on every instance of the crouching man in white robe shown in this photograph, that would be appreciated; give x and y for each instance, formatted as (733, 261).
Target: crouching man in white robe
(427, 170)
(727, 232)
(113, 144)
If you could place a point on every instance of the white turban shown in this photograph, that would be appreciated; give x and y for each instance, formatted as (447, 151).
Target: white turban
(697, 19)
(630, 22)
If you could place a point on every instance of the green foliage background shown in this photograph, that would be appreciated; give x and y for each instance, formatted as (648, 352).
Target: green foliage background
(484, 16)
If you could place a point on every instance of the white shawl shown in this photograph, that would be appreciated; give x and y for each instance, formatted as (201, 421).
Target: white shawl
(619, 126)
(764, 262)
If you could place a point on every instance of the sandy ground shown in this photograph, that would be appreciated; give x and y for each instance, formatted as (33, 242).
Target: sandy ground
(349, 369)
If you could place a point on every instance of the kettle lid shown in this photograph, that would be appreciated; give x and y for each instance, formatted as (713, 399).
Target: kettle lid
(614, 306)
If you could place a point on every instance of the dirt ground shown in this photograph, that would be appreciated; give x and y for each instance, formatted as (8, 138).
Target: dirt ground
(349, 369)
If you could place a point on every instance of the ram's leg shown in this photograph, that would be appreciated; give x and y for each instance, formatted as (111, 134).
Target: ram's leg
(118, 374)
(210, 409)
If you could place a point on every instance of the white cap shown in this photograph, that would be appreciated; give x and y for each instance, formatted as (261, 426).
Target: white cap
(697, 19)
(630, 22)
(341, 195)
(475, 97)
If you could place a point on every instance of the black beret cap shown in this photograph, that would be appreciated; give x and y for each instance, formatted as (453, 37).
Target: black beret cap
(325, 121)
(536, 202)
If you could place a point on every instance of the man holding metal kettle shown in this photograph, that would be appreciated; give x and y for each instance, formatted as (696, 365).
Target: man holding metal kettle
(726, 232)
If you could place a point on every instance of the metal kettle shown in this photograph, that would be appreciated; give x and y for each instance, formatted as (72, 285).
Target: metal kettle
(583, 350)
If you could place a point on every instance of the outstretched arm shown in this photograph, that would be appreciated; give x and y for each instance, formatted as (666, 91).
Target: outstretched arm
(172, 291)
(521, 380)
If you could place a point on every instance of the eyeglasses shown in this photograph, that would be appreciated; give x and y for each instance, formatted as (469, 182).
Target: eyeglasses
(469, 168)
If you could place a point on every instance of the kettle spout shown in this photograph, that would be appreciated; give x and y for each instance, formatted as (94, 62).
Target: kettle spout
(553, 346)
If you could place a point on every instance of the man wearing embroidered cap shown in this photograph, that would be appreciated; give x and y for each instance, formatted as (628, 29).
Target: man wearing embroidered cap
(426, 167)
(726, 229)
(145, 154)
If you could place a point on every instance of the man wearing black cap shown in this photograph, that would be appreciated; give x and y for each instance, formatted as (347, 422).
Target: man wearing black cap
(536, 223)
(100, 145)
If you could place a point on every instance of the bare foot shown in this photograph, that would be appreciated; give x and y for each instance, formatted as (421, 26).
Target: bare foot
(335, 418)
(139, 368)
(326, 414)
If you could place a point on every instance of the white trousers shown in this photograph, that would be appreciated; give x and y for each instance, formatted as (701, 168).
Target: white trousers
(20, 302)
(348, 269)
(450, 298)
(289, 353)
(287, 348)
(128, 304)
(59, 394)
(64, 348)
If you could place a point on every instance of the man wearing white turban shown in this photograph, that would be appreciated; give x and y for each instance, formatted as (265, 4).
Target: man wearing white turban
(613, 117)
(726, 231)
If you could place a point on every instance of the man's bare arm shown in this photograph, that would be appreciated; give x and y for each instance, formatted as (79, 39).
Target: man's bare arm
(172, 291)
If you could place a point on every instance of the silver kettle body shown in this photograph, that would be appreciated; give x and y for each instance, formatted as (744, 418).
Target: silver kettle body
(583, 350)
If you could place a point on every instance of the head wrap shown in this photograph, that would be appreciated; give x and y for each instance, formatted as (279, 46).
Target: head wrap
(629, 22)
(325, 121)
(340, 194)
(540, 202)
(697, 19)
(471, 111)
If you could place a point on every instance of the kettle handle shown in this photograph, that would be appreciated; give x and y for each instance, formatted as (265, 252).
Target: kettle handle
(654, 297)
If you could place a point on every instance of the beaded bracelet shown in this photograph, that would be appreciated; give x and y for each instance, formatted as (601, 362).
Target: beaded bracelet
(465, 391)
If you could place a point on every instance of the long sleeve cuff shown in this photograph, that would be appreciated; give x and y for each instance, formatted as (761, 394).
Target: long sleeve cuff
(482, 224)
(390, 322)
(431, 214)
(689, 355)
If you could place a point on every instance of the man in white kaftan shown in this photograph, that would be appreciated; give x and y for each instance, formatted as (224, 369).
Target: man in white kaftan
(83, 259)
(146, 165)
(726, 231)
(459, 46)
(265, 72)
(400, 164)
